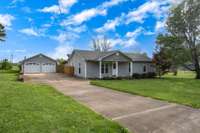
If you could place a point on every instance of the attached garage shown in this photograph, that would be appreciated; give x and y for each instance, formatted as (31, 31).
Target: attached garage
(39, 64)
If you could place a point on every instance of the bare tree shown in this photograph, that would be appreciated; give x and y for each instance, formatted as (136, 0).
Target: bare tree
(2, 32)
(101, 44)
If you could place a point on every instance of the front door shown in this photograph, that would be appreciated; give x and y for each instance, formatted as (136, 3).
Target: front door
(114, 69)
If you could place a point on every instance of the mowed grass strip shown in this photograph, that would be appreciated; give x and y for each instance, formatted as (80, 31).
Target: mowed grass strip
(182, 89)
(40, 109)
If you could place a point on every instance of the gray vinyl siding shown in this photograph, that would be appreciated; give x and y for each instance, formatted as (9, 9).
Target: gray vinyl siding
(138, 67)
(123, 69)
(115, 57)
(74, 61)
(92, 69)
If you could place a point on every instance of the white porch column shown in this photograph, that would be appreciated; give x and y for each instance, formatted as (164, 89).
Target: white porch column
(100, 76)
(116, 68)
(85, 70)
(131, 65)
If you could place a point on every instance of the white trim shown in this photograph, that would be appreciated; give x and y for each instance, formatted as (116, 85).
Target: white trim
(131, 65)
(85, 70)
(116, 68)
(100, 75)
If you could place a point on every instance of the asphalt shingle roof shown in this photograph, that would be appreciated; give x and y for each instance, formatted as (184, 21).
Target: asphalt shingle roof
(95, 55)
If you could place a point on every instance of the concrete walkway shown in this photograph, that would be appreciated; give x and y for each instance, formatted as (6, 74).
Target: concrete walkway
(138, 114)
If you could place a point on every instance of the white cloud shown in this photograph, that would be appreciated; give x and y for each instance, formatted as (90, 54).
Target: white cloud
(135, 33)
(88, 14)
(6, 19)
(111, 3)
(16, 1)
(160, 25)
(29, 32)
(83, 16)
(62, 38)
(61, 51)
(67, 3)
(142, 11)
(110, 25)
(125, 42)
(63, 47)
(77, 29)
(129, 39)
(157, 8)
(51, 9)
(62, 7)
(116, 41)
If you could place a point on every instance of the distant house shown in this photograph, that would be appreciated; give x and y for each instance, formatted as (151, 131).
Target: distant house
(38, 64)
(93, 64)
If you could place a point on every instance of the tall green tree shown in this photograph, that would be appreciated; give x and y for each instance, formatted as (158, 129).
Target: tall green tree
(2, 32)
(161, 60)
(184, 24)
(173, 49)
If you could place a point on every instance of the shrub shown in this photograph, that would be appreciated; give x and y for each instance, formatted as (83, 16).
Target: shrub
(5, 65)
(136, 76)
(144, 75)
(151, 75)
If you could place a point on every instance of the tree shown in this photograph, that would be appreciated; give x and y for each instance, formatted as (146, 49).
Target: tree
(2, 33)
(184, 23)
(161, 60)
(61, 61)
(173, 49)
(6, 65)
(101, 44)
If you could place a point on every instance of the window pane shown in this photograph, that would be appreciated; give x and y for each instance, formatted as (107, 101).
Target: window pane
(114, 65)
(106, 68)
(144, 68)
(102, 68)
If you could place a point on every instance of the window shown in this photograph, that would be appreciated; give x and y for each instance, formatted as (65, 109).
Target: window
(102, 68)
(114, 66)
(79, 68)
(106, 68)
(129, 67)
(144, 68)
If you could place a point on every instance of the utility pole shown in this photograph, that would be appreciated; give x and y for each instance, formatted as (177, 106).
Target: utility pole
(11, 58)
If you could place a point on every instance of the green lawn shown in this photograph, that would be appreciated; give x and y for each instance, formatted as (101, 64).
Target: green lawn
(35, 108)
(185, 90)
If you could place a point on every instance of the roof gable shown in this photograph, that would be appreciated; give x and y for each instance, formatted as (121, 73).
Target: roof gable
(39, 55)
(116, 56)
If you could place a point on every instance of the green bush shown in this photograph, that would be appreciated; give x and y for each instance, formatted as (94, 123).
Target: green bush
(144, 75)
(5, 65)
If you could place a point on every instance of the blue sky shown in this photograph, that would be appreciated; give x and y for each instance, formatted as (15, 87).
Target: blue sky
(56, 27)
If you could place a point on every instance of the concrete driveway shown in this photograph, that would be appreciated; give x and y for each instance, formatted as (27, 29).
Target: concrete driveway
(138, 114)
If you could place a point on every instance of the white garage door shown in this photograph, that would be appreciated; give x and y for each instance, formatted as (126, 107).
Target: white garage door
(48, 68)
(32, 68)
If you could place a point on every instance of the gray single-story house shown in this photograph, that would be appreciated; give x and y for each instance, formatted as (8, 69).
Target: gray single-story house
(93, 64)
(39, 63)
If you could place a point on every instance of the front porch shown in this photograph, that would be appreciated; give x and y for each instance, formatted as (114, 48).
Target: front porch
(114, 69)
(110, 66)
